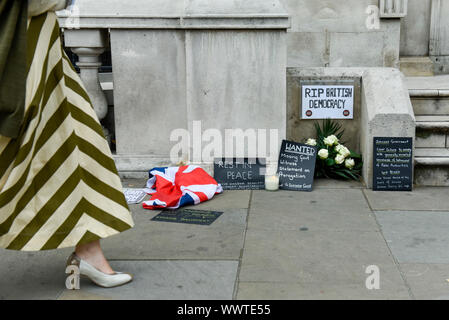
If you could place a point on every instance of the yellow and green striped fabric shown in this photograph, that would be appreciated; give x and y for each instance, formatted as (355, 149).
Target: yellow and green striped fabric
(59, 186)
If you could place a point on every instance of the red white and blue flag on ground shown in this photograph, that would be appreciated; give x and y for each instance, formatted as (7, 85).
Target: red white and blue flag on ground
(174, 187)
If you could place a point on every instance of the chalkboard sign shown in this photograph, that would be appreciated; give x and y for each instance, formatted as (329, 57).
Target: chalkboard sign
(296, 166)
(240, 174)
(392, 164)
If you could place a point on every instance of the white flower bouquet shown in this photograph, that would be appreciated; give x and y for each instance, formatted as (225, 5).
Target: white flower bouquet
(334, 159)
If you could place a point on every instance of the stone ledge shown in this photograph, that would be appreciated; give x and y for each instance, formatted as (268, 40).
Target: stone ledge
(428, 161)
(178, 14)
(179, 23)
(432, 153)
(438, 83)
(416, 66)
(432, 123)
(433, 93)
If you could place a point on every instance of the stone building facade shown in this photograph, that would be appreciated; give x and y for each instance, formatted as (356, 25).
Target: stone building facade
(239, 64)
(329, 33)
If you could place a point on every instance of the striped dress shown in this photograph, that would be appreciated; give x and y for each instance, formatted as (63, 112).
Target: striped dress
(59, 186)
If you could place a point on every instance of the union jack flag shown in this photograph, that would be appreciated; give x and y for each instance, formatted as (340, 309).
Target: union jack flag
(174, 187)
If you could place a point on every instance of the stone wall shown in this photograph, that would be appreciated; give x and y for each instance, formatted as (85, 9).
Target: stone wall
(415, 29)
(176, 63)
(299, 129)
(439, 35)
(329, 33)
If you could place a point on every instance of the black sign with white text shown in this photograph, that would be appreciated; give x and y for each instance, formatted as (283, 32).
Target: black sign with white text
(392, 164)
(296, 166)
(240, 174)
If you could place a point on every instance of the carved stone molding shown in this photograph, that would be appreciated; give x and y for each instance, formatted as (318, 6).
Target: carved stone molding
(89, 44)
(393, 8)
(434, 45)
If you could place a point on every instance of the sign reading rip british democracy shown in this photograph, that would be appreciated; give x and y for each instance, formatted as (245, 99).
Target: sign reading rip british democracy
(327, 101)
(296, 166)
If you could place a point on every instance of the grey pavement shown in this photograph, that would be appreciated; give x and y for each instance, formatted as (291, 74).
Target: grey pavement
(266, 245)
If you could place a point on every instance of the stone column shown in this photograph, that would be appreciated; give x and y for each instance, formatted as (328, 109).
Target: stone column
(89, 45)
(393, 8)
(89, 62)
(439, 36)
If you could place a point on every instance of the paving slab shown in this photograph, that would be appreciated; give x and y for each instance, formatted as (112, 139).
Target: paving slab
(32, 275)
(315, 211)
(134, 183)
(155, 240)
(420, 199)
(317, 291)
(416, 236)
(337, 184)
(326, 257)
(229, 199)
(427, 281)
(83, 294)
(166, 280)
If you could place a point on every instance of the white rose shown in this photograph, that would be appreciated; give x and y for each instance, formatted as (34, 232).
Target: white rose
(339, 159)
(311, 142)
(331, 140)
(349, 163)
(341, 149)
(323, 154)
(338, 147)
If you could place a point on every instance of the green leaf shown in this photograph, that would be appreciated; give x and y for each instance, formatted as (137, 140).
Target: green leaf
(355, 155)
(341, 174)
(328, 168)
(348, 172)
(330, 162)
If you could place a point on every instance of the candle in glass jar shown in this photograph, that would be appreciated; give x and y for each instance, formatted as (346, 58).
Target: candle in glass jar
(272, 183)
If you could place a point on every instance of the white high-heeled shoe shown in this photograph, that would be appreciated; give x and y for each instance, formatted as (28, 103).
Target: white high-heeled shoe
(99, 278)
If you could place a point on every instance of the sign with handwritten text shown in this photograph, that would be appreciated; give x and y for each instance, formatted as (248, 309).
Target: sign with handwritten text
(296, 166)
(392, 164)
(240, 174)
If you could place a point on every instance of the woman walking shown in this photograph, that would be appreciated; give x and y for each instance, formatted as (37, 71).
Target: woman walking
(59, 186)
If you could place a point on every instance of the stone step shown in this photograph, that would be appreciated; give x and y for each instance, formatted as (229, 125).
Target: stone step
(430, 100)
(416, 66)
(432, 131)
(438, 83)
(429, 95)
(428, 139)
(431, 156)
(434, 123)
(432, 167)
(429, 106)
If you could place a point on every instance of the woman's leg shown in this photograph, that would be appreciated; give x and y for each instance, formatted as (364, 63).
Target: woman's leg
(93, 254)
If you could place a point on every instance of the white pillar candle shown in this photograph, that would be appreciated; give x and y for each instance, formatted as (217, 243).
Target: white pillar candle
(272, 183)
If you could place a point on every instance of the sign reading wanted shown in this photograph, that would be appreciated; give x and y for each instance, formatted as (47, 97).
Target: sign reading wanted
(296, 166)
(327, 101)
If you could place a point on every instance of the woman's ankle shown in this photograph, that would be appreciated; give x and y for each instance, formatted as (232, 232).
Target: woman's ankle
(93, 254)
